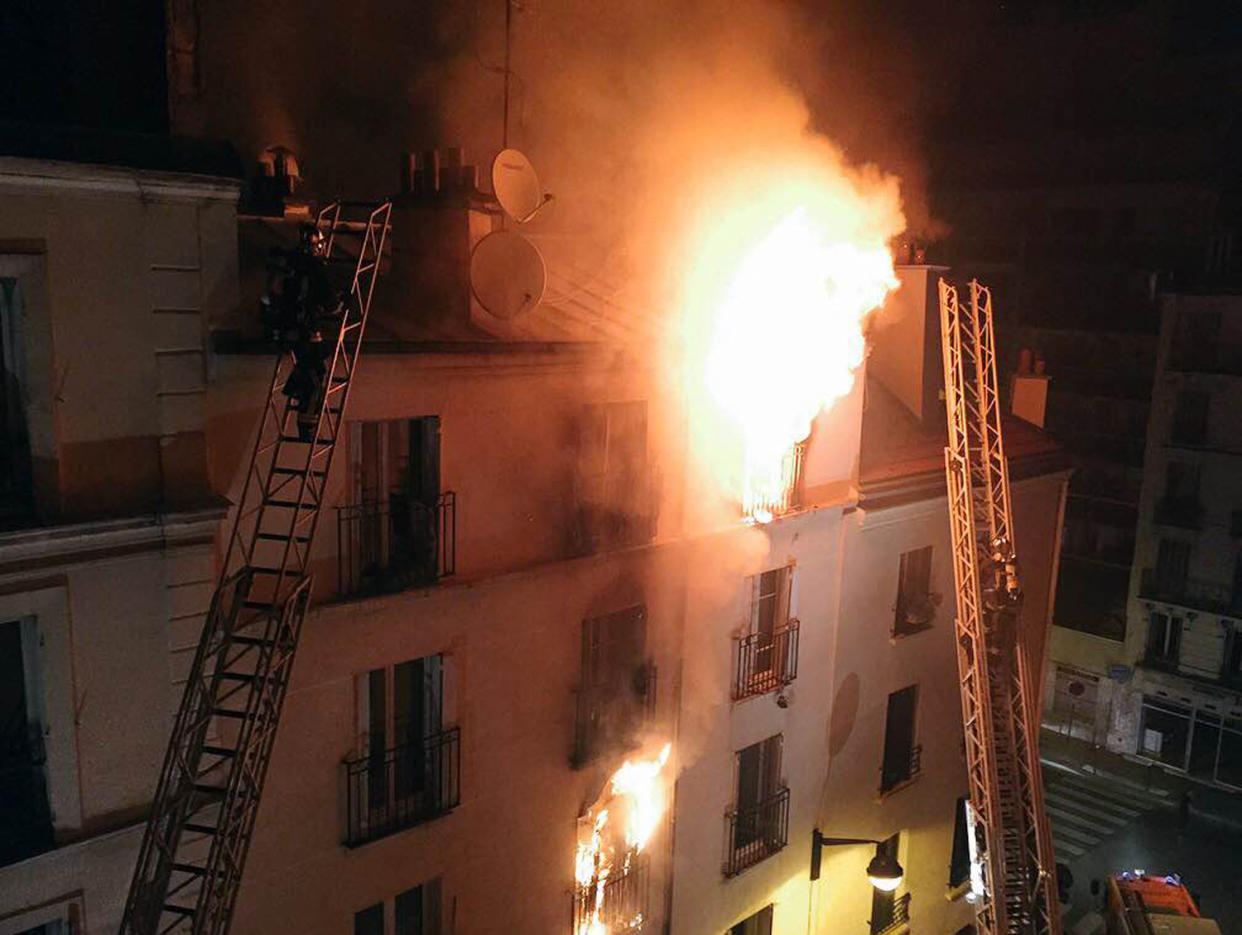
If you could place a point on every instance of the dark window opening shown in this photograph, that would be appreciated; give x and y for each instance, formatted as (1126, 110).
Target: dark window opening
(25, 813)
(767, 654)
(408, 763)
(1190, 418)
(370, 921)
(1172, 569)
(417, 910)
(901, 755)
(1164, 640)
(398, 528)
(16, 483)
(915, 601)
(959, 861)
(617, 488)
(617, 692)
(758, 924)
(759, 821)
(1180, 505)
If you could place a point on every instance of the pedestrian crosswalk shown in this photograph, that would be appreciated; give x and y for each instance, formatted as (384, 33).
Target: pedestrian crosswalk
(1085, 809)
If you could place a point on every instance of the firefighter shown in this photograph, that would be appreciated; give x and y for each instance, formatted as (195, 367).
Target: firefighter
(300, 310)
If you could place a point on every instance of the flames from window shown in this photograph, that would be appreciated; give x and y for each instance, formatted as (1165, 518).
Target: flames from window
(612, 839)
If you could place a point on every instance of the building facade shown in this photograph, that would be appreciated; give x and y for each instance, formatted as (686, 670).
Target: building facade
(516, 590)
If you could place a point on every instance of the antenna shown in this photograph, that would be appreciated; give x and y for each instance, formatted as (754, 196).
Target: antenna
(507, 274)
(516, 185)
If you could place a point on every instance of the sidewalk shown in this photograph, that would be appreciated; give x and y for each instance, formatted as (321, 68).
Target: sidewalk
(1058, 751)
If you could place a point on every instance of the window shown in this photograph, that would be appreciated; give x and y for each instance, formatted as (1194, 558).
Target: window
(406, 769)
(1164, 639)
(370, 921)
(397, 527)
(959, 860)
(414, 912)
(759, 822)
(767, 654)
(1190, 418)
(618, 685)
(25, 813)
(901, 756)
(758, 924)
(885, 904)
(616, 487)
(1172, 567)
(915, 607)
(15, 477)
(1180, 505)
(1231, 666)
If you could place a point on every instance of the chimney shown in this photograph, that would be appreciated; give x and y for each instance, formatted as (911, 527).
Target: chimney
(905, 343)
(1028, 390)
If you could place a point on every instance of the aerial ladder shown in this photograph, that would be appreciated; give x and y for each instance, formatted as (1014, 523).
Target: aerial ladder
(194, 848)
(1013, 868)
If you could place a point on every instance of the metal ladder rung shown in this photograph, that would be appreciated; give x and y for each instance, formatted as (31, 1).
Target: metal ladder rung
(279, 537)
(189, 868)
(184, 911)
(200, 829)
(285, 572)
(298, 472)
(214, 791)
(219, 751)
(227, 712)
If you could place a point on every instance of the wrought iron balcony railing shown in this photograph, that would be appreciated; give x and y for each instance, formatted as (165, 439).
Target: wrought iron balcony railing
(623, 903)
(611, 716)
(403, 786)
(385, 546)
(617, 509)
(892, 776)
(756, 832)
(894, 919)
(793, 490)
(766, 662)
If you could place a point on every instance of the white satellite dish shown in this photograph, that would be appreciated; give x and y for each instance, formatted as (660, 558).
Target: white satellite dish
(516, 185)
(507, 274)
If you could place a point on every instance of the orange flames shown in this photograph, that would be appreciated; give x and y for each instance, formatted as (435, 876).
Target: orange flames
(614, 834)
(782, 278)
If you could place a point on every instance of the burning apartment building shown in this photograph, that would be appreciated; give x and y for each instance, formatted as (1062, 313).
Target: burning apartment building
(608, 623)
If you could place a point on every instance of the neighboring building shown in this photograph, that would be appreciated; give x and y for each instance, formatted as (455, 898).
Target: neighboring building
(109, 276)
(1183, 708)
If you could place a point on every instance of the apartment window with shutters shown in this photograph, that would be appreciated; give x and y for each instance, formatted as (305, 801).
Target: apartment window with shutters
(617, 690)
(406, 769)
(915, 601)
(397, 527)
(758, 924)
(25, 811)
(959, 860)
(16, 486)
(766, 655)
(901, 755)
(759, 821)
(1164, 640)
(415, 911)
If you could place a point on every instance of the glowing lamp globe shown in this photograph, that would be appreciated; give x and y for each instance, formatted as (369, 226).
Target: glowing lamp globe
(884, 872)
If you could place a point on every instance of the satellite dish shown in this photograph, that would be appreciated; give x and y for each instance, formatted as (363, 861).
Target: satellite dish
(516, 185)
(507, 274)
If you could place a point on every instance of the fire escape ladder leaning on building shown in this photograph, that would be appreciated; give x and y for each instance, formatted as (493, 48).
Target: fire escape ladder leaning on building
(1010, 836)
(195, 844)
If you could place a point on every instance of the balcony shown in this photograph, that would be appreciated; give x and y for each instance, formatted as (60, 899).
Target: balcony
(404, 786)
(766, 662)
(392, 545)
(1182, 512)
(894, 776)
(611, 716)
(623, 904)
(793, 489)
(757, 832)
(897, 917)
(617, 509)
(1191, 593)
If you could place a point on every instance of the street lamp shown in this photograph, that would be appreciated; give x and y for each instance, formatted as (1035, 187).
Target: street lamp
(883, 872)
